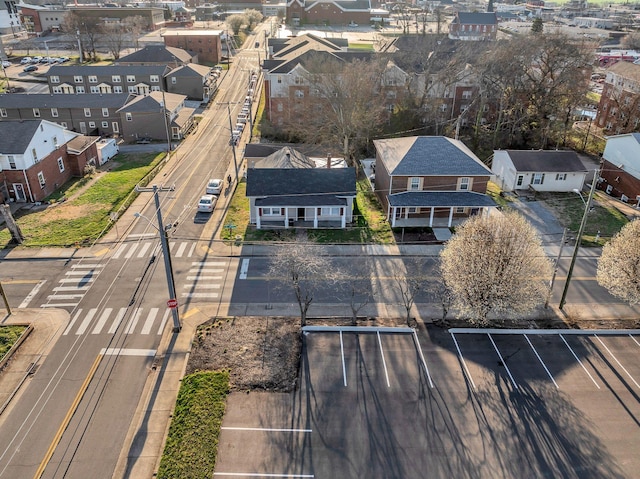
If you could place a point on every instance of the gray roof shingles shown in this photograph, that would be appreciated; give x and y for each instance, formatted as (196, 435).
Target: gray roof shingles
(84, 70)
(45, 100)
(546, 160)
(301, 181)
(16, 135)
(445, 199)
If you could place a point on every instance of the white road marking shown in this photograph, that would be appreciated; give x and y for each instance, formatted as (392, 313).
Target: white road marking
(151, 317)
(616, 360)
(131, 326)
(127, 352)
(384, 363)
(634, 339)
(72, 322)
(244, 268)
(58, 305)
(131, 251)
(77, 280)
(464, 364)
(541, 361)
(78, 273)
(141, 235)
(181, 249)
(87, 265)
(87, 320)
(65, 296)
(424, 363)
(32, 293)
(102, 320)
(205, 270)
(503, 362)
(119, 251)
(69, 288)
(143, 250)
(117, 320)
(164, 321)
(266, 429)
(203, 286)
(579, 362)
(203, 278)
(344, 368)
(208, 263)
(199, 295)
(193, 247)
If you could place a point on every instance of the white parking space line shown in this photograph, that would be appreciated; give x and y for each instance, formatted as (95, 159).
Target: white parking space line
(634, 339)
(616, 360)
(101, 322)
(73, 321)
(424, 363)
(117, 320)
(579, 362)
(344, 368)
(87, 320)
(143, 250)
(244, 269)
(259, 474)
(541, 361)
(502, 361)
(464, 364)
(32, 293)
(266, 429)
(384, 363)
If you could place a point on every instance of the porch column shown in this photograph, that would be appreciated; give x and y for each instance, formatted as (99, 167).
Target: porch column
(433, 208)
(393, 217)
(315, 218)
(450, 216)
(343, 217)
(286, 218)
(258, 217)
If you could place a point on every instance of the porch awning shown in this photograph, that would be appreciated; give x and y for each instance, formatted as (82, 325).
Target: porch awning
(301, 201)
(441, 199)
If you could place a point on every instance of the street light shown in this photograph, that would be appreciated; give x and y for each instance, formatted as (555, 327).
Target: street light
(166, 253)
(587, 205)
(579, 193)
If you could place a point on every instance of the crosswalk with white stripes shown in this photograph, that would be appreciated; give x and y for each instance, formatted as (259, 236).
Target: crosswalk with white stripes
(204, 277)
(72, 288)
(139, 321)
(144, 249)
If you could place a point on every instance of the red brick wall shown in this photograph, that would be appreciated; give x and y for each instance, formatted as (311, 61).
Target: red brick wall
(207, 47)
(621, 181)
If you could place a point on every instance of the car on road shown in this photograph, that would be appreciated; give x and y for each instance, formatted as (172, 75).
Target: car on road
(25, 61)
(214, 187)
(30, 68)
(207, 203)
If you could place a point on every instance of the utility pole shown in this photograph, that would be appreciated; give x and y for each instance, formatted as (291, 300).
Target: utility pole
(166, 253)
(165, 113)
(555, 268)
(587, 206)
(233, 141)
(6, 301)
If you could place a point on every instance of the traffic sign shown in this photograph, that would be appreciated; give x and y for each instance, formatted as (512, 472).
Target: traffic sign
(172, 303)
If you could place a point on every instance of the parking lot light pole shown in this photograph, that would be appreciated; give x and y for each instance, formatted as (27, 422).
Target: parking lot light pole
(166, 253)
(587, 206)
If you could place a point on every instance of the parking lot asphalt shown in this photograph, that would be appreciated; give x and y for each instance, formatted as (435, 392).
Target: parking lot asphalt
(454, 404)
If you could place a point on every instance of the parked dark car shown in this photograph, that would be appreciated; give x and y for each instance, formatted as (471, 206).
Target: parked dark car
(30, 68)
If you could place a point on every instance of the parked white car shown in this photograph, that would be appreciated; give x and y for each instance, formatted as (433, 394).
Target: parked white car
(6, 64)
(207, 203)
(214, 187)
(25, 61)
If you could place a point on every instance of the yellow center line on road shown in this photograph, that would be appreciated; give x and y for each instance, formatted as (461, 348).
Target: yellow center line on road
(67, 418)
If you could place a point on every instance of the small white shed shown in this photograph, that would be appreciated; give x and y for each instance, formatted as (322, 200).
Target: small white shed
(542, 170)
(107, 149)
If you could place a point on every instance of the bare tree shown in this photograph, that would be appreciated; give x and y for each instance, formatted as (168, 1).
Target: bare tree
(357, 287)
(253, 17)
(495, 264)
(441, 295)
(301, 266)
(619, 265)
(88, 30)
(406, 278)
(631, 41)
(235, 22)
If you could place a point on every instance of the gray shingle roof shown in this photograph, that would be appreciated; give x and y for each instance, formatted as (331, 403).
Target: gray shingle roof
(152, 102)
(45, 100)
(157, 54)
(429, 156)
(16, 135)
(546, 160)
(286, 157)
(84, 70)
(190, 70)
(457, 199)
(477, 18)
(301, 181)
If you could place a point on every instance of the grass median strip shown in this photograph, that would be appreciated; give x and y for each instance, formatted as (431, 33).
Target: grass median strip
(192, 443)
(8, 337)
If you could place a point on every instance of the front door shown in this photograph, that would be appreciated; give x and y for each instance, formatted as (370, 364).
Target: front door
(18, 191)
(301, 214)
(83, 128)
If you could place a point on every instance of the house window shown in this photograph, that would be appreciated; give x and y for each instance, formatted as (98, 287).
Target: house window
(105, 124)
(460, 210)
(280, 107)
(78, 79)
(55, 79)
(299, 94)
(41, 179)
(466, 95)
(154, 79)
(391, 107)
(298, 80)
(94, 89)
(92, 124)
(57, 90)
(561, 177)
(520, 180)
(36, 112)
(60, 164)
(131, 78)
(34, 155)
(105, 112)
(79, 89)
(174, 80)
(93, 79)
(413, 210)
(155, 88)
(54, 112)
(55, 142)
(117, 89)
(271, 212)
(3, 112)
(537, 178)
(12, 161)
(414, 184)
(115, 127)
(115, 78)
(129, 117)
(330, 211)
(279, 79)
(87, 112)
(464, 184)
(132, 89)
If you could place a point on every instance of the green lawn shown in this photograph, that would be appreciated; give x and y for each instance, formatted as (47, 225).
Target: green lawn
(86, 217)
(192, 443)
(8, 336)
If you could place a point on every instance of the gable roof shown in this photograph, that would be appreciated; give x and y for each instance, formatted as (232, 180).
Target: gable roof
(15, 136)
(152, 102)
(477, 18)
(301, 182)
(619, 155)
(545, 160)
(429, 156)
(46, 100)
(626, 69)
(84, 70)
(157, 54)
(190, 70)
(285, 157)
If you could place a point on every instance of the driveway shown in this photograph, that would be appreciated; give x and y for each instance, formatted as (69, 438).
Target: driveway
(541, 217)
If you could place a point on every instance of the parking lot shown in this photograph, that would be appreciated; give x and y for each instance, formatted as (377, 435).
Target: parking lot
(455, 404)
